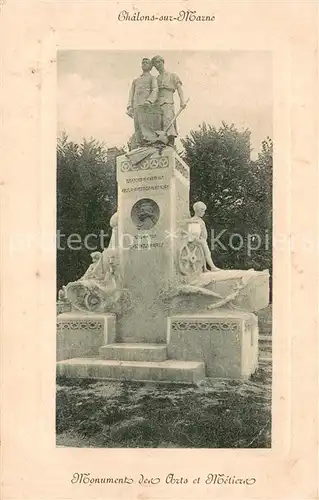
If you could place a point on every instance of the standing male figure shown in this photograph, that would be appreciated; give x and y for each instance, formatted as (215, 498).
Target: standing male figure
(142, 97)
(168, 83)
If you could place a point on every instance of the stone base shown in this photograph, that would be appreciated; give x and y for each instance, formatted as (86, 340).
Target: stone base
(83, 334)
(165, 371)
(134, 352)
(226, 341)
(222, 343)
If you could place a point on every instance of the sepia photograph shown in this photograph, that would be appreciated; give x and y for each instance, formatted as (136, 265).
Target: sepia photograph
(159, 253)
(164, 279)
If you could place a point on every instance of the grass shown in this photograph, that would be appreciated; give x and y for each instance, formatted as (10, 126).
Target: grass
(219, 413)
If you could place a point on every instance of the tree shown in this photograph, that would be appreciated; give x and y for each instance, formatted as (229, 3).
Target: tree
(261, 202)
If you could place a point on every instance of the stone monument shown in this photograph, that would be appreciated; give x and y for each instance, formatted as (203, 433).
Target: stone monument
(153, 306)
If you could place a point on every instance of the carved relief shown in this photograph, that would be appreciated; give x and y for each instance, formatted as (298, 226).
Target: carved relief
(181, 169)
(145, 214)
(147, 164)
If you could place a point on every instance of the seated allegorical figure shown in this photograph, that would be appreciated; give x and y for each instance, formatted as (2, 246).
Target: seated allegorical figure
(103, 262)
(93, 271)
(101, 281)
(201, 234)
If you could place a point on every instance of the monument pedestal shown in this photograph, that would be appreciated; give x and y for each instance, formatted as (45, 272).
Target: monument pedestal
(86, 348)
(223, 344)
(153, 196)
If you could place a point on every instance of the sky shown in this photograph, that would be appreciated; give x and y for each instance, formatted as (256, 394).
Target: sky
(230, 86)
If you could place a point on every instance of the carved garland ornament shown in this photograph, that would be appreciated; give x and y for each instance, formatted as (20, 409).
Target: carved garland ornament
(147, 164)
(79, 325)
(211, 326)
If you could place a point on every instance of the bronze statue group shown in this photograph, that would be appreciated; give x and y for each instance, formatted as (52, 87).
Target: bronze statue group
(151, 104)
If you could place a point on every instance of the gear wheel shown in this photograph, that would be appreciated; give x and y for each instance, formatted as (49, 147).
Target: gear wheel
(191, 257)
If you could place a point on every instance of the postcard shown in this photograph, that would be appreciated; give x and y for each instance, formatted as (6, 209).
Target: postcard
(159, 250)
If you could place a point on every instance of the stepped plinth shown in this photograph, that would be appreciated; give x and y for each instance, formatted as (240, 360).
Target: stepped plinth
(182, 372)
